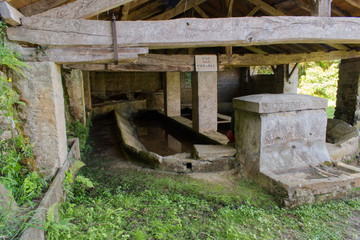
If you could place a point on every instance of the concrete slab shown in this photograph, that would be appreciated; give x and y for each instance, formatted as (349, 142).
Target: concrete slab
(271, 103)
(213, 152)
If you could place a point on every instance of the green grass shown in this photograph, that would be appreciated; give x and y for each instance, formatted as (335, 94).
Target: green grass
(330, 110)
(129, 204)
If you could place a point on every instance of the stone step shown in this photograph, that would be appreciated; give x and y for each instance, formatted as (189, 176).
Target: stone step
(213, 152)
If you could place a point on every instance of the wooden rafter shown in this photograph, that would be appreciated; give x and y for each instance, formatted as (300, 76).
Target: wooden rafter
(185, 33)
(125, 11)
(83, 9)
(40, 6)
(201, 12)
(146, 11)
(183, 7)
(253, 11)
(353, 3)
(267, 8)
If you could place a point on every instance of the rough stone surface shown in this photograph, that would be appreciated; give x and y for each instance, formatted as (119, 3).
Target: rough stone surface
(73, 80)
(342, 140)
(172, 94)
(45, 119)
(272, 103)
(348, 93)
(213, 152)
(87, 91)
(155, 100)
(7, 128)
(279, 140)
(6, 199)
(204, 87)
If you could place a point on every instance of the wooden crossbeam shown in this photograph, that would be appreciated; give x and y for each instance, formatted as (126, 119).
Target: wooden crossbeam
(267, 8)
(10, 14)
(278, 59)
(253, 11)
(182, 7)
(40, 6)
(185, 33)
(146, 11)
(83, 9)
(125, 11)
(185, 63)
(71, 55)
(256, 50)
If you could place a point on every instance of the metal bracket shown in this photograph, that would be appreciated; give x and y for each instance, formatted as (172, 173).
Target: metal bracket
(116, 53)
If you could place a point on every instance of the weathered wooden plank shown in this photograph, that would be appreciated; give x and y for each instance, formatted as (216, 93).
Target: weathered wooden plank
(183, 7)
(83, 8)
(40, 6)
(10, 14)
(321, 8)
(353, 3)
(185, 33)
(185, 63)
(147, 10)
(277, 59)
(77, 54)
(267, 8)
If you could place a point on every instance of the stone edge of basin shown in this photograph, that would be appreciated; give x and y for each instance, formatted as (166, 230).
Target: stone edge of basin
(312, 190)
(271, 103)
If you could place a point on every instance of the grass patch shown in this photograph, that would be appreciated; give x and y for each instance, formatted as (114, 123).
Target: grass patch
(129, 204)
(330, 111)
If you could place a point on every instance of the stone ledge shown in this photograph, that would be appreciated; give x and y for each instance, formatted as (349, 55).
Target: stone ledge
(213, 152)
(271, 103)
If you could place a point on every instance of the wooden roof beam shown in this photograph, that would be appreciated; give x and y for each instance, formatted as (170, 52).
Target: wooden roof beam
(188, 32)
(353, 3)
(201, 12)
(83, 9)
(185, 63)
(146, 11)
(182, 7)
(267, 8)
(10, 14)
(40, 6)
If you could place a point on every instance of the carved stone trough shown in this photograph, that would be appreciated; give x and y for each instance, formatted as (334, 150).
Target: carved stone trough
(280, 140)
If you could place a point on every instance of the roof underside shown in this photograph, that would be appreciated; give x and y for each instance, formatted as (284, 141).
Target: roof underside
(155, 9)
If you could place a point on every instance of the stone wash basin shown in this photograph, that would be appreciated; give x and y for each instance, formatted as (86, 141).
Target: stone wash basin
(209, 157)
(281, 145)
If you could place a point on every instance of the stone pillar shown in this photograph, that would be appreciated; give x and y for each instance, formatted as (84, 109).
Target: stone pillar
(348, 92)
(45, 118)
(73, 80)
(286, 78)
(87, 91)
(172, 97)
(275, 132)
(204, 98)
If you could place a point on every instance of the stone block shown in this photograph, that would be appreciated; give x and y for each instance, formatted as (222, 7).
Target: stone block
(45, 118)
(172, 94)
(213, 152)
(73, 80)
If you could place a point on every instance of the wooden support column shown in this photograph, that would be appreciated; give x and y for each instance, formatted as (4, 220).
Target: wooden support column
(321, 8)
(204, 98)
(172, 97)
(348, 93)
(87, 91)
(286, 78)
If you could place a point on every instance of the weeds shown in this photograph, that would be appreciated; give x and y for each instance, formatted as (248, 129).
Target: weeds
(129, 204)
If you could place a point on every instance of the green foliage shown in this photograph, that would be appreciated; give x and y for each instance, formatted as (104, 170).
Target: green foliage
(81, 131)
(319, 79)
(32, 187)
(13, 223)
(330, 111)
(53, 226)
(9, 58)
(130, 204)
(84, 181)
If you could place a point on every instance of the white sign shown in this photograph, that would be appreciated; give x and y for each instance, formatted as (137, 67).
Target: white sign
(206, 63)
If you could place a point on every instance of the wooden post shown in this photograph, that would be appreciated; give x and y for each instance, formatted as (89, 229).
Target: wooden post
(321, 8)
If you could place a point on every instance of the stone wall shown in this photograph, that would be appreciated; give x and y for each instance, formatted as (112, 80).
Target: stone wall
(44, 114)
(347, 100)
